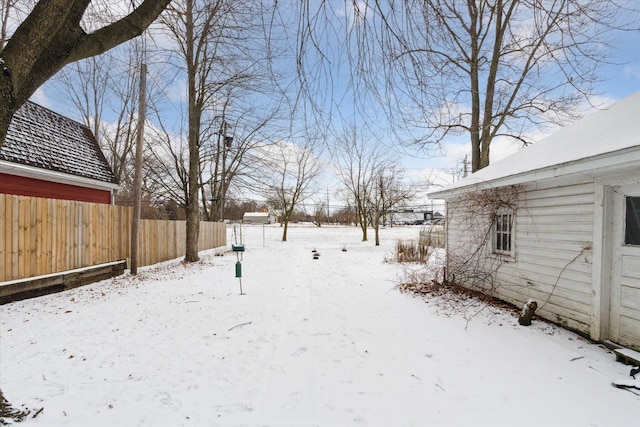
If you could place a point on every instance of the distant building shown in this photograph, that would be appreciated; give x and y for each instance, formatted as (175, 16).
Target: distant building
(257, 218)
(49, 155)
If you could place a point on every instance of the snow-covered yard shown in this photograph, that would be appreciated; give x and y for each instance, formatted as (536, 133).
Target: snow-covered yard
(328, 342)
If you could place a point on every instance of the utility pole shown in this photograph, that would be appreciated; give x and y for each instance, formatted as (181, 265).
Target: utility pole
(327, 205)
(465, 170)
(137, 177)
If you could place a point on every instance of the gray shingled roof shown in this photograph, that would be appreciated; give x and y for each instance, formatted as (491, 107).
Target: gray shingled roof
(41, 138)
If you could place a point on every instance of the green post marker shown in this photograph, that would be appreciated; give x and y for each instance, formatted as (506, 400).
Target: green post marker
(238, 269)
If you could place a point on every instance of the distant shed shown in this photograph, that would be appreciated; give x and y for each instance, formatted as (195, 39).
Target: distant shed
(257, 218)
(558, 222)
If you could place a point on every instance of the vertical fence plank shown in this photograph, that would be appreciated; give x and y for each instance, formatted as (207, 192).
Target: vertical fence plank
(23, 221)
(13, 212)
(46, 235)
(33, 233)
(96, 250)
(143, 233)
(80, 229)
(95, 225)
(116, 233)
(106, 249)
(121, 230)
(72, 235)
(85, 243)
(41, 236)
(68, 217)
(67, 242)
(54, 234)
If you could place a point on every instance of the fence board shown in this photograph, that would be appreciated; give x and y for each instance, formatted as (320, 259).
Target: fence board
(43, 236)
(33, 232)
(22, 237)
(15, 242)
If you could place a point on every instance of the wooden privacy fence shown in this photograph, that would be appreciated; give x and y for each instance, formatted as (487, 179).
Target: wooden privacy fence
(42, 236)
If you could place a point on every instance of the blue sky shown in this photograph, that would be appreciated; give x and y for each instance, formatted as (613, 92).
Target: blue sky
(619, 81)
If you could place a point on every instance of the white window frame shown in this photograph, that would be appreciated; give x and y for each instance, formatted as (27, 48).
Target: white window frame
(498, 231)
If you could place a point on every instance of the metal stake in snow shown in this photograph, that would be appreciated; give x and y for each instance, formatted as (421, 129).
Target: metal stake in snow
(238, 248)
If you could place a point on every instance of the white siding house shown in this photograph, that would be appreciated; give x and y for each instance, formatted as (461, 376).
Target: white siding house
(558, 222)
(257, 218)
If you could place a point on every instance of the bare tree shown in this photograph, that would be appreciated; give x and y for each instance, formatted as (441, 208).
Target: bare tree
(290, 175)
(167, 166)
(103, 89)
(242, 127)
(87, 82)
(197, 27)
(477, 68)
(490, 68)
(51, 37)
(389, 191)
(219, 55)
(319, 214)
(359, 162)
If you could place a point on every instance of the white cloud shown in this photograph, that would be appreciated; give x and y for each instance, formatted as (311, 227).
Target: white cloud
(40, 98)
(355, 14)
(632, 71)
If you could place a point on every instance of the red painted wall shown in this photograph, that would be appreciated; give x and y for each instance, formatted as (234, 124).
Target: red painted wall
(22, 186)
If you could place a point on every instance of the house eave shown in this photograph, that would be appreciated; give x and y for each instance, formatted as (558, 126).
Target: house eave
(609, 162)
(53, 176)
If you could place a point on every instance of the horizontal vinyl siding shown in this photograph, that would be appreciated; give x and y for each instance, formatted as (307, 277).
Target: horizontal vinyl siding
(552, 260)
(553, 240)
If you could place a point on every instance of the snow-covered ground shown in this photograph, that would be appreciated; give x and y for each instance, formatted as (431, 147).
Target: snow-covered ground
(328, 342)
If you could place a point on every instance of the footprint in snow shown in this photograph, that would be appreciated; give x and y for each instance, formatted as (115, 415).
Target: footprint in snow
(299, 351)
(292, 401)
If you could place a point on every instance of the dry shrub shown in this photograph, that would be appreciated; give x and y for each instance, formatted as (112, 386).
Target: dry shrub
(452, 299)
(411, 251)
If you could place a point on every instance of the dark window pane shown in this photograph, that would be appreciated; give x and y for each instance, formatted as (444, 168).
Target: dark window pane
(503, 233)
(632, 222)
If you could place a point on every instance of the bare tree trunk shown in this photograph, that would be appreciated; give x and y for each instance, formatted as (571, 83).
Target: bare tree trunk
(474, 76)
(193, 207)
(364, 223)
(377, 232)
(285, 225)
(7, 104)
(137, 180)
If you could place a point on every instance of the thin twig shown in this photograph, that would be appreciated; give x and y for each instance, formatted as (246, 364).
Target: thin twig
(584, 249)
(237, 326)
